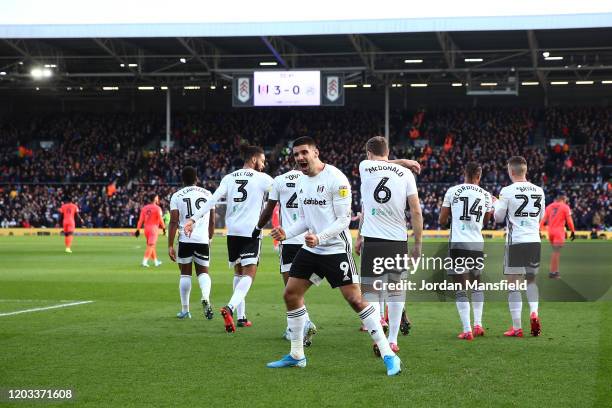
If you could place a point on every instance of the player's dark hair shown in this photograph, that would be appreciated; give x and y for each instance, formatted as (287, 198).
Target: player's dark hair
(247, 152)
(377, 146)
(151, 196)
(189, 176)
(473, 170)
(304, 140)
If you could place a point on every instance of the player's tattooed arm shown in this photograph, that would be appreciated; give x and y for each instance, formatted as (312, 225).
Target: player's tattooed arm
(416, 219)
(211, 226)
(264, 217)
(359, 240)
(411, 165)
(172, 227)
(444, 216)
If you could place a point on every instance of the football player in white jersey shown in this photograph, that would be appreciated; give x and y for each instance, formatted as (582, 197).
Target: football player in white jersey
(194, 248)
(246, 191)
(388, 190)
(521, 205)
(284, 194)
(324, 205)
(468, 207)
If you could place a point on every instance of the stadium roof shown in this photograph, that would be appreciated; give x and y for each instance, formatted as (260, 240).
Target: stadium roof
(540, 56)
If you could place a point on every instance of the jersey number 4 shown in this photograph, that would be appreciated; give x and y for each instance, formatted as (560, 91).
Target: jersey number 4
(475, 209)
(198, 204)
(291, 203)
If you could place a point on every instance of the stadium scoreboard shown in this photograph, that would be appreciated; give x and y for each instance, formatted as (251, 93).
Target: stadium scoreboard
(287, 88)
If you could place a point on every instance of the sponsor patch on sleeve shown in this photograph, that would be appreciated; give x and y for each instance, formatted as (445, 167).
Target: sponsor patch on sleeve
(343, 191)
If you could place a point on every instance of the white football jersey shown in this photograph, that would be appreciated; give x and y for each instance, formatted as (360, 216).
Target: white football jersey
(468, 204)
(384, 190)
(246, 191)
(284, 191)
(320, 199)
(187, 200)
(522, 204)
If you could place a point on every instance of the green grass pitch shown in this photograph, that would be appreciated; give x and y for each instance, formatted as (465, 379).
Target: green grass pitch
(128, 349)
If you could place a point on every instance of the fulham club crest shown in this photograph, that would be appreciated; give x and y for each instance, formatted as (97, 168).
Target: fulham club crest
(244, 89)
(333, 91)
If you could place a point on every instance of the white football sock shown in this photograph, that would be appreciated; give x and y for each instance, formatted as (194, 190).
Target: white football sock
(185, 290)
(381, 304)
(515, 304)
(296, 320)
(241, 308)
(371, 321)
(478, 305)
(240, 292)
(533, 297)
(396, 307)
(205, 284)
(463, 307)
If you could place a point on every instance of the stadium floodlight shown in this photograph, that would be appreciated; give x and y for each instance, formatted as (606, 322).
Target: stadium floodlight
(558, 58)
(268, 63)
(20, 62)
(350, 86)
(366, 85)
(413, 61)
(80, 88)
(473, 60)
(50, 66)
(146, 88)
(37, 88)
(122, 65)
(488, 84)
(110, 88)
(418, 85)
(40, 73)
(546, 54)
(456, 84)
(182, 60)
(191, 87)
(559, 83)
(396, 85)
(164, 88)
(585, 82)
(530, 83)
(132, 65)
(213, 87)
(2, 73)
(224, 86)
(607, 82)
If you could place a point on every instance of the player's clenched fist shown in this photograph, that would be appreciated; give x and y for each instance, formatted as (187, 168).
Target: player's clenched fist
(311, 240)
(188, 228)
(278, 234)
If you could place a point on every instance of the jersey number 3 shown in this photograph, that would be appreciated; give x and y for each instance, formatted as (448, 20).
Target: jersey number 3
(241, 189)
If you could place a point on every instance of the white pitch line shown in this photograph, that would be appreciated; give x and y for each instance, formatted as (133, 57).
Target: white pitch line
(40, 309)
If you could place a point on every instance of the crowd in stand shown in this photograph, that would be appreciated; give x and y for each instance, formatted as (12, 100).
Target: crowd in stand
(89, 153)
